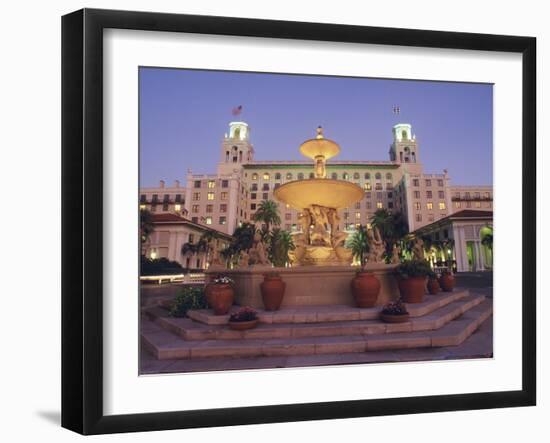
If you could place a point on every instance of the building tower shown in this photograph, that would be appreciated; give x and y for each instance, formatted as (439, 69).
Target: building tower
(404, 148)
(236, 149)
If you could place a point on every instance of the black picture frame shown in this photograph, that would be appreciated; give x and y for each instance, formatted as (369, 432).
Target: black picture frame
(82, 215)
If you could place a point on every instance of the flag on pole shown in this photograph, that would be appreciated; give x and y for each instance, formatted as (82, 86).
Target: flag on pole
(396, 109)
(237, 110)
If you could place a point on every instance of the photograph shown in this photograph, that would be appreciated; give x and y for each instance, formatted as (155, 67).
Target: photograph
(300, 220)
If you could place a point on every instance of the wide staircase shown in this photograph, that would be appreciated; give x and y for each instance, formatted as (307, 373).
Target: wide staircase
(442, 320)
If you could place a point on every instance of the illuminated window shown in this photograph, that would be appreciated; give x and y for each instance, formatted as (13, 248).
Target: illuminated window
(289, 176)
(357, 216)
(487, 195)
(195, 209)
(379, 205)
(196, 196)
(345, 176)
(356, 175)
(211, 184)
(429, 205)
(368, 186)
(266, 176)
(442, 205)
(177, 207)
(142, 207)
(210, 196)
(417, 206)
(222, 220)
(478, 204)
(208, 220)
(254, 176)
(223, 196)
(458, 205)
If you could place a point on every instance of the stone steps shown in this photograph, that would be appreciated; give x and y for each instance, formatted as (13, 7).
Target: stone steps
(332, 313)
(191, 330)
(166, 345)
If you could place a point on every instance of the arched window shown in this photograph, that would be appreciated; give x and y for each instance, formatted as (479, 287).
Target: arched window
(266, 176)
(334, 176)
(356, 176)
(388, 176)
(367, 175)
(289, 176)
(378, 176)
(254, 176)
(301, 176)
(226, 156)
(407, 149)
(240, 156)
(345, 176)
(235, 148)
(278, 176)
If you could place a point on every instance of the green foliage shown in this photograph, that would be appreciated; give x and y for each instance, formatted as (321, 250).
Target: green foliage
(279, 244)
(414, 268)
(391, 225)
(191, 297)
(359, 244)
(242, 240)
(159, 266)
(268, 214)
(146, 226)
(487, 240)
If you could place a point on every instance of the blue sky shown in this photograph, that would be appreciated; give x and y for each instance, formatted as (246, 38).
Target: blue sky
(185, 113)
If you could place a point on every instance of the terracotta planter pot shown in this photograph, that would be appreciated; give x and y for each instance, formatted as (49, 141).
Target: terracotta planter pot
(243, 325)
(433, 286)
(365, 288)
(390, 318)
(412, 289)
(447, 282)
(220, 297)
(273, 291)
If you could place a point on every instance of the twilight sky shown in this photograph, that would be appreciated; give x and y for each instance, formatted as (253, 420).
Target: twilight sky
(185, 113)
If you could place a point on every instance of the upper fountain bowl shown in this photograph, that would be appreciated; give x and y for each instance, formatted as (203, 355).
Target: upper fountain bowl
(320, 146)
(325, 192)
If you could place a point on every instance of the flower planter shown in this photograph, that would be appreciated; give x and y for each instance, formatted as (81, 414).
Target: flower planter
(365, 288)
(243, 325)
(433, 286)
(394, 318)
(447, 282)
(220, 297)
(273, 291)
(412, 289)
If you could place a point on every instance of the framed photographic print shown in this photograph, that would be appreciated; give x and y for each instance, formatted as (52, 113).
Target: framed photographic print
(270, 221)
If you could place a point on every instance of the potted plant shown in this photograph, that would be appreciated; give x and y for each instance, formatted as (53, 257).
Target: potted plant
(365, 286)
(433, 284)
(394, 312)
(447, 280)
(244, 318)
(273, 291)
(411, 279)
(220, 294)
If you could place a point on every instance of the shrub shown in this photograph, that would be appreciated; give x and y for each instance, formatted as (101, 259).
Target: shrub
(244, 314)
(191, 297)
(159, 266)
(413, 268)
(395, 308)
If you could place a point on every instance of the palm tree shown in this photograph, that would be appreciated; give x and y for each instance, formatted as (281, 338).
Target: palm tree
(391, 225)
(280, 243)
(359, 244)
(146, 226)
(268, 214)
(200, 246)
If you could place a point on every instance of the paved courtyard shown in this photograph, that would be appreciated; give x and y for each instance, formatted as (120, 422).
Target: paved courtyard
(477, 345)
